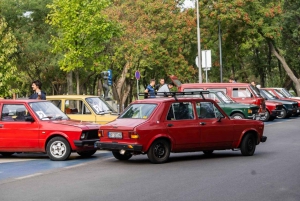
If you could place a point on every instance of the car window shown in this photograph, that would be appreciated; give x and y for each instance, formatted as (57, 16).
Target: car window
(138, 111)
(218, 89)
(47, 111)
(14, 112)
(180, 111)
(99, 105)
(241, 93)
(207, 110)
(57, 103)
(76, 107)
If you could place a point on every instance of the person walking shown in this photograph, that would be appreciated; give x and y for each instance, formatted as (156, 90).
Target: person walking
(150, 89)
(38, 93)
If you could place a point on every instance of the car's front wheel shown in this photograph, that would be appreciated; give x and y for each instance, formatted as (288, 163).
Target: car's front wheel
(283, 114)
(58, 149)
(6, 154)
(248, 145)
(266, 117)
(159, 151)
(122, 157)
(86, 153)
(237, 116)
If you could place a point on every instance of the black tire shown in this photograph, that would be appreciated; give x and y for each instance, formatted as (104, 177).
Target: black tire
(248, 145)
(283, 114)
(159, 151)
(237, 116)
(6, 154)
(58, 149)
(208, 152)
(122, 157)
(266, 117)
(86, 153)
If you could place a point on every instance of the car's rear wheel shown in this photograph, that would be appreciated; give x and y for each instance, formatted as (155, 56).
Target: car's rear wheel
(283, 114)
(122, 157)
(6, 154)
(86, 153)
(237, 116)
(58, 149)
(248, 145)
(266, 117)
(208, 152)
(159, 151)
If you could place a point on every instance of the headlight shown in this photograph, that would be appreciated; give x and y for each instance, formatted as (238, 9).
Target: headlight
(83, 135)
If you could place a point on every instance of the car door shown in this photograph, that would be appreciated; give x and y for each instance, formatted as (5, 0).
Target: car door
(15, 133)
(214, 132)
(182, 126)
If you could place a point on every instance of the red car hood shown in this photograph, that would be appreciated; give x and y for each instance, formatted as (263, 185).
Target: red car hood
(123, 124)
(79, 124)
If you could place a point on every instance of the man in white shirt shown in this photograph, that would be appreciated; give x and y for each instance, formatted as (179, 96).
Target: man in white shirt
(164, 88)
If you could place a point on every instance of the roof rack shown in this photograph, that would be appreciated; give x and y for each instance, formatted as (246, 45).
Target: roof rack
(176, 94)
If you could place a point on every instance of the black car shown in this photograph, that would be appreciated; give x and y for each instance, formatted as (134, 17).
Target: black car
(289, 107)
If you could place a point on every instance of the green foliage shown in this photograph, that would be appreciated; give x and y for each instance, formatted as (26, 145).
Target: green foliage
(7, 60)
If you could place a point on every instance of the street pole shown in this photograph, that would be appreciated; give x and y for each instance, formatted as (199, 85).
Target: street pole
(220, 49)
(198, 42)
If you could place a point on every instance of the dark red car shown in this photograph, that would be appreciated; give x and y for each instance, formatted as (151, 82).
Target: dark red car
(39, 126)
(158, 126)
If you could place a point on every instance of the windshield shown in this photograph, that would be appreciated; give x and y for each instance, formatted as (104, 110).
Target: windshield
(138, 111)
(224, 97)
(280, 94)
(99, 106)
(268, 95)
(255, 90)
(287, 93)
(47, 111)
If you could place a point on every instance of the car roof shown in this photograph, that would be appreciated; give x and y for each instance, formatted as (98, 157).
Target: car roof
(71, 96)
(213, 84)
(169, 99)
(5, 101)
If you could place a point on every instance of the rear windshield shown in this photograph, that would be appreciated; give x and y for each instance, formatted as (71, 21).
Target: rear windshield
(138, 111)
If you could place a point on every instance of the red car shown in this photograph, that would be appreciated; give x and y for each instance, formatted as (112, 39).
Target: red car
(158, 126)
(39, 126)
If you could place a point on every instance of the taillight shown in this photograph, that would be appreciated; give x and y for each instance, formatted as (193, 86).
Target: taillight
(133, 135)
(100, 133)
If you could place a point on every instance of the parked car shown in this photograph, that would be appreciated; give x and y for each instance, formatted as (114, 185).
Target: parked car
(289, 107)
(239, 92)
(280, 95)
(286, 93)
(39, 126)
(158, 126)
(84, 108)
(230, 107)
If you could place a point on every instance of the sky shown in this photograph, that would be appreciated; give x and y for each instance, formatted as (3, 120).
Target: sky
(189, 3)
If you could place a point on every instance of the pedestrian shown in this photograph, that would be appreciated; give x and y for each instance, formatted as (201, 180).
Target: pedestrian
(165, 89)
(161, 83)
(38, 93)
(150, 89)
(232, 80)
(256, 89)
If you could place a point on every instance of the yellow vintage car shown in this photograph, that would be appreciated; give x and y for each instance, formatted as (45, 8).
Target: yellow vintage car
(84, 107)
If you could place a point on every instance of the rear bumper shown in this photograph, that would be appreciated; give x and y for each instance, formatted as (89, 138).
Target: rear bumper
(118, 146)
(85, 143)
(263, 139)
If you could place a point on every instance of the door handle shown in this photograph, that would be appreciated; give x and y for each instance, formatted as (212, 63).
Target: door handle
(202, 123)
(170, 125)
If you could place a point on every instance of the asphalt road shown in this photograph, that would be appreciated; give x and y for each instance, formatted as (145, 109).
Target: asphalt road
(271, 174)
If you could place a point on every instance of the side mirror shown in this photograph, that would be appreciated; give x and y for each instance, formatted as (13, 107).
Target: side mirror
(29, 118)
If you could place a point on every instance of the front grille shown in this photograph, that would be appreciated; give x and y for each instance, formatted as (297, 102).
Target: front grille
(295, 105)
(91, 134)
(279, 107)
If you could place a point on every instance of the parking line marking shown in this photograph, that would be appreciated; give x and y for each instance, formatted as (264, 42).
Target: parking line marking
(28, 176)
(74, 166)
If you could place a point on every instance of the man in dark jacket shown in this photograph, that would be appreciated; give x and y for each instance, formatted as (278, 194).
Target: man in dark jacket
(38, 93)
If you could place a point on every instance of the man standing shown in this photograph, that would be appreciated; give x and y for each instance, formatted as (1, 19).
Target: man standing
(38, 93)
(150, 89)
(161, 83)
(165, 88)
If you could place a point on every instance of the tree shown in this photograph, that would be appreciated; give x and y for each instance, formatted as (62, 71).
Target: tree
(8, 48)
(82, 32)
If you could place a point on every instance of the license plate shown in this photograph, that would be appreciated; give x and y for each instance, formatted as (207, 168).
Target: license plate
(117, 135)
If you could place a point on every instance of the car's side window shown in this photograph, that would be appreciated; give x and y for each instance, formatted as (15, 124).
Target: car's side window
(180, 111)
(14, 112)
(76, 107)
(241, 93)
(207, 110)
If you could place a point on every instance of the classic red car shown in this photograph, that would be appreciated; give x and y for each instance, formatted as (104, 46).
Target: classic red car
(158, 126)
(39, 126)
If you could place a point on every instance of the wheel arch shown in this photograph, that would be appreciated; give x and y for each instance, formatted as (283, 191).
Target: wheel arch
(160, 136)
(58, 135)
(246, 132)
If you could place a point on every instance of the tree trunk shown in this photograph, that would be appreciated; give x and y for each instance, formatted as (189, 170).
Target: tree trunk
(77, 82)
(290, 73)
(70, 82)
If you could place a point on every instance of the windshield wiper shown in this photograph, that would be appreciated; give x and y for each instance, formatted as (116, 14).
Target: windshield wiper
(58, 118)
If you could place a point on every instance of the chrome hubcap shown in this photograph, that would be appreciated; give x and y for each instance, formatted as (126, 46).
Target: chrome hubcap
(58, 149)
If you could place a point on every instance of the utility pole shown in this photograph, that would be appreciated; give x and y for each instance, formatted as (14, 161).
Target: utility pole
(198, 42)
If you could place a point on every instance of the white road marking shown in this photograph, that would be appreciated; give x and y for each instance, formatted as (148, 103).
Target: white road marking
(74, 166)
(28, 176)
